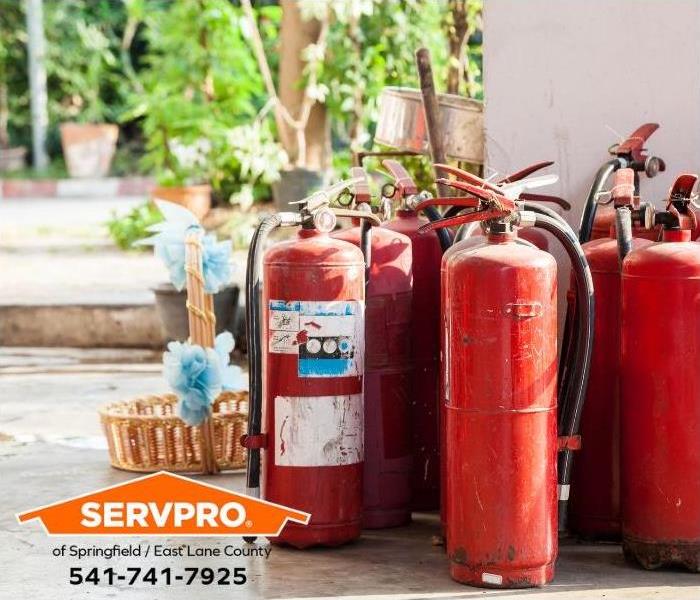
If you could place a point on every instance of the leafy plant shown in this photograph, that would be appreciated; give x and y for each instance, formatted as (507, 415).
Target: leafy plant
(14, 96)
(127, 229)
(201, 87)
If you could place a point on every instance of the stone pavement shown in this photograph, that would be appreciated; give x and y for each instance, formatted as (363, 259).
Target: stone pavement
(51, 448)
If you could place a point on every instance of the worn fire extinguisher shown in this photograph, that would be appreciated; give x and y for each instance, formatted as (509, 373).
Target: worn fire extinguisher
(500, 371)
(630, 153)
(388, 369)
(426, 253)
(595, 498)
(514, 185)
(660, 391)
(306, 358)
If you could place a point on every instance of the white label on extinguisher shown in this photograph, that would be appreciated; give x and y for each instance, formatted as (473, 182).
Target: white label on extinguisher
(327, 337)
(492, 578)
(318, 431)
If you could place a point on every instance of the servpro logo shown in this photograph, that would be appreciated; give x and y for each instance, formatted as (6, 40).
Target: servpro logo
(164, 504)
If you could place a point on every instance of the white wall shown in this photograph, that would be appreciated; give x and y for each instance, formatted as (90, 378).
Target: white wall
(556, 72)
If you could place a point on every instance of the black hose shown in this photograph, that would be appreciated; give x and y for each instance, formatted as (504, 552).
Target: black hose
(366, 247)
(623, 224)
(545, 210)
(589, 209)
(567, 348)
(573, 394)
(443, 234)
(253, 339)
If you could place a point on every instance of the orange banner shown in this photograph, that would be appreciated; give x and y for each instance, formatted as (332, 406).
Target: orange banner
(164, 504)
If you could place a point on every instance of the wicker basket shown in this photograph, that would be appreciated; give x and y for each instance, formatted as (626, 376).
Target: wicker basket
(145, 434)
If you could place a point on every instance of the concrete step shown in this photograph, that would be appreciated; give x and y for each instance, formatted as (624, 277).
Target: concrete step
(81, 325)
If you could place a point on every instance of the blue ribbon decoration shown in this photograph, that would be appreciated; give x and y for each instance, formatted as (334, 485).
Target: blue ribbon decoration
(169, 245)
(198, 375)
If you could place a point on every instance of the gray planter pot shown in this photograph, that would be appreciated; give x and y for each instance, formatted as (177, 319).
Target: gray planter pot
(170, 305)
(296, 184)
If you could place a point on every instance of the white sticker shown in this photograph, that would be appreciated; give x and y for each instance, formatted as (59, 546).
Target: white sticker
(327, 336)
(318, 431)
(283, 342)
(492, 578)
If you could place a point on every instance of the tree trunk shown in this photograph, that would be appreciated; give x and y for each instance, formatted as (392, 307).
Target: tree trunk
(457, 37)
(295, 35)
(36, 47)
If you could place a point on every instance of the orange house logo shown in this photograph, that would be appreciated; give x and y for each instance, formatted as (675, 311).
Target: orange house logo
(164, 504)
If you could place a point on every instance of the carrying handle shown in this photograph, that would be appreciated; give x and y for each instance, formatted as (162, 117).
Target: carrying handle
(202, 322)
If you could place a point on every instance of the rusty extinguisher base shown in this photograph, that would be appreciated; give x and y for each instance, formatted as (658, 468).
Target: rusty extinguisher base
(498, 577)
(652, 555)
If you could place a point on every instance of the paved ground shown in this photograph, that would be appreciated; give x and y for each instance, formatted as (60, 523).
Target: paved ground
(60, 271)
(51, 448)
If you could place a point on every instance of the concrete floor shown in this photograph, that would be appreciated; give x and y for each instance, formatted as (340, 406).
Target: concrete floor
(51, 448)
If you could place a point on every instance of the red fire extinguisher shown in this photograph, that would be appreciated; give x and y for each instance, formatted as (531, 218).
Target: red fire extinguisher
(515, 185)
(388, 369)
(595, 499)
(660, 391)
(631, 154)
(306, 358)
(500, 430)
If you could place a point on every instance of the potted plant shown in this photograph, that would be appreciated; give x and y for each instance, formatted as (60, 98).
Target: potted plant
(11, 158)
(88, 142)
(201, 96)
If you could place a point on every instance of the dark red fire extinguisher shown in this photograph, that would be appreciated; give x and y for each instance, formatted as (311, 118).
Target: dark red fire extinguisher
(388, 369)
(660, 399)
(630, 153)
(426, 252)
(595, 498)
(500, 372)
(306, 358)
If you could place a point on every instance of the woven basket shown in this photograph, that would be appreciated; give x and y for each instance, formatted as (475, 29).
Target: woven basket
(145, 434)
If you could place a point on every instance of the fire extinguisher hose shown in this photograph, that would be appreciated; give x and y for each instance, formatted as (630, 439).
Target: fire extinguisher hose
(567, 346)
(444, 236)
(573, 392)
(589, 209)
(254, 341)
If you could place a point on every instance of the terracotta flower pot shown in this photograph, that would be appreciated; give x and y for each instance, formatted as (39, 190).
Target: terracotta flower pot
(195, 198)
(88, 148)
(12, 159)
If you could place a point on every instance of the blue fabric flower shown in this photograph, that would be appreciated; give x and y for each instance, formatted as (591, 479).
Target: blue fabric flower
(194, 373)
(216, 266)
(232, 376)
(169, 245)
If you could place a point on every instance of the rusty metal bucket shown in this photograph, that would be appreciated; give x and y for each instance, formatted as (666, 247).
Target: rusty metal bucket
(402, 125)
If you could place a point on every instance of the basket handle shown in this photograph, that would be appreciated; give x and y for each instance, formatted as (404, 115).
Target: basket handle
(202, 325)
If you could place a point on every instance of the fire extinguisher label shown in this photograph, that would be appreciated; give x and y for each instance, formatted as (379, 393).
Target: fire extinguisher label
(318, 431)
(327, 337)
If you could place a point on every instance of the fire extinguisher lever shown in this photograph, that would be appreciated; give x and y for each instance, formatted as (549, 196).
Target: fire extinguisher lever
(404, 191)
(489, 205)
(630, 153)
(678, 213)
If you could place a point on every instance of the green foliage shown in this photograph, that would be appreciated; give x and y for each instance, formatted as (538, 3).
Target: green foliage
(14, 92)
(202, 92)
(133, 227)
(371, 45)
